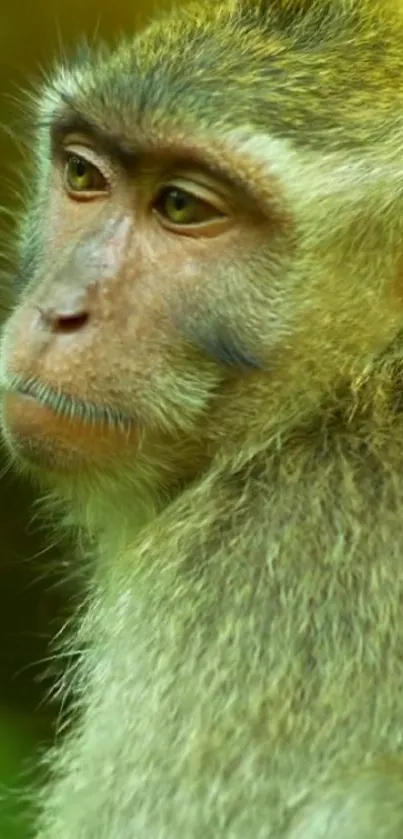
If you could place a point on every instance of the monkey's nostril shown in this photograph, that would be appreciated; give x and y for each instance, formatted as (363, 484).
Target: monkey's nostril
(62, 318)
(70, 323)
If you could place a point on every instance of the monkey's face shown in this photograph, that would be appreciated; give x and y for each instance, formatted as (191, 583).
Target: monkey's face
(114, 349)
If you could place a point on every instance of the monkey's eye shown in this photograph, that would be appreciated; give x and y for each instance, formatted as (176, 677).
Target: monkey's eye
(80, 176)
(181, 208)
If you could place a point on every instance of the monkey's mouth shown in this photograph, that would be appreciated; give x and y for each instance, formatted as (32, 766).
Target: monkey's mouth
(67, 406)
(57, 431)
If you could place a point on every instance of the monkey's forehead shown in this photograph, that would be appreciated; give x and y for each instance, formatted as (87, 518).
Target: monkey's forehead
(296, 69)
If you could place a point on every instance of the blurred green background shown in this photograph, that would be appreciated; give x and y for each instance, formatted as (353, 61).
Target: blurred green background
(36, 586)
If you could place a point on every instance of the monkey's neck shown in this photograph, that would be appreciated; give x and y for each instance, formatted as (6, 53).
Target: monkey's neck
(302, 546)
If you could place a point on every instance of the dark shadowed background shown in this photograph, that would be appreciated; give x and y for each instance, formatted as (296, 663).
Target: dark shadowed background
(36, 585)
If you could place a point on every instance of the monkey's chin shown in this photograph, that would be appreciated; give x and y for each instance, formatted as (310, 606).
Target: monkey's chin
(49, 440)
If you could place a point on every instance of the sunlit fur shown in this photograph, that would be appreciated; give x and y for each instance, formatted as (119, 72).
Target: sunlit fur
(240, 671)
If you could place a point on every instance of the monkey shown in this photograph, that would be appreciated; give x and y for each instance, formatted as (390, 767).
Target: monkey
(202, 376)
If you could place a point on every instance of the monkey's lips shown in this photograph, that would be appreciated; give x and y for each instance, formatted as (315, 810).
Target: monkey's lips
(57, 440)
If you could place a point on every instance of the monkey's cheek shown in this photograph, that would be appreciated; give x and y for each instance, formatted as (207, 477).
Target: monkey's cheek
(58, 443)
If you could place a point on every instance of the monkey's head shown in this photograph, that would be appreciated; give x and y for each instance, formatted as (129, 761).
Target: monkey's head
(215, 233)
